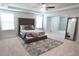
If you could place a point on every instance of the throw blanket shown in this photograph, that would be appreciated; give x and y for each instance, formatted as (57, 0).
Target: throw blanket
(34, 34)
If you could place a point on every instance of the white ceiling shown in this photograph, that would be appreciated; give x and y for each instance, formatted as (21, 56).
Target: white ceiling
(35, 7)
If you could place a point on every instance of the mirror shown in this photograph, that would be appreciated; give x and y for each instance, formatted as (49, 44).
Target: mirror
(71, 28)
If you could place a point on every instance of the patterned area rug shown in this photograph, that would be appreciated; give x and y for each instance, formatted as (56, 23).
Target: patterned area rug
(42, 46)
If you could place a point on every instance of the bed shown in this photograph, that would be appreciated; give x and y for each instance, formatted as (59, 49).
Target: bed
(28, 32)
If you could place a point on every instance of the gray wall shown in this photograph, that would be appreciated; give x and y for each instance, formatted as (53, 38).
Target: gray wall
(63, 22)
(70, 13)
(67, 13)
(55, 23)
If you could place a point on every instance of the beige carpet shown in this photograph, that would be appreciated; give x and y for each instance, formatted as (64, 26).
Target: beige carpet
(13, 47)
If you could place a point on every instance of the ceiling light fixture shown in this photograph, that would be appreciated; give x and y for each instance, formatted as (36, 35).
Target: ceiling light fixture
(43, 5)
(43, 8)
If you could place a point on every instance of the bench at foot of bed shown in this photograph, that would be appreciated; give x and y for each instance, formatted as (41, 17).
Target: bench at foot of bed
(35, 39)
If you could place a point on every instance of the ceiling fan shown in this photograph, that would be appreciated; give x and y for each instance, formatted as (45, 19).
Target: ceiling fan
(44, 6)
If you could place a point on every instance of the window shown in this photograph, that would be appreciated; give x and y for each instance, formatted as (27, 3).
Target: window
(7, 21)
(39, 22)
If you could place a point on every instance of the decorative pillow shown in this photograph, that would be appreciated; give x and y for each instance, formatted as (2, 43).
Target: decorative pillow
(32, 34)
(29, 34)
(27, 27)
(23, 27)
(31, 27)
(35, 34)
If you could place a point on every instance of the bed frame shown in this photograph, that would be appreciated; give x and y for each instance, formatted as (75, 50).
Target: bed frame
(25, 21)
(28, 21)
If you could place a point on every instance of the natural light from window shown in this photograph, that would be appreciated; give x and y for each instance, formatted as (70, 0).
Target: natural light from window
(7, 21)
(39, 22)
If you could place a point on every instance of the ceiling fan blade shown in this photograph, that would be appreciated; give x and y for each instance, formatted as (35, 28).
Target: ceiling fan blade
(50, 7)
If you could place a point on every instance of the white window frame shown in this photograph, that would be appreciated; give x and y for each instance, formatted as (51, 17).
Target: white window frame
(8, 19)
(39, 24)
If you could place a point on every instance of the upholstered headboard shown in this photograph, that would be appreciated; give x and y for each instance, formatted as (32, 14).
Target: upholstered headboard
(25, 21)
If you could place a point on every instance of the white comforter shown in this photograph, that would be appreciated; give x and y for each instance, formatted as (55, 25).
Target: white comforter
(23, 32)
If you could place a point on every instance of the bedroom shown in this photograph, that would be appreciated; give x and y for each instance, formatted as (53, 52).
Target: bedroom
(50, 22)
